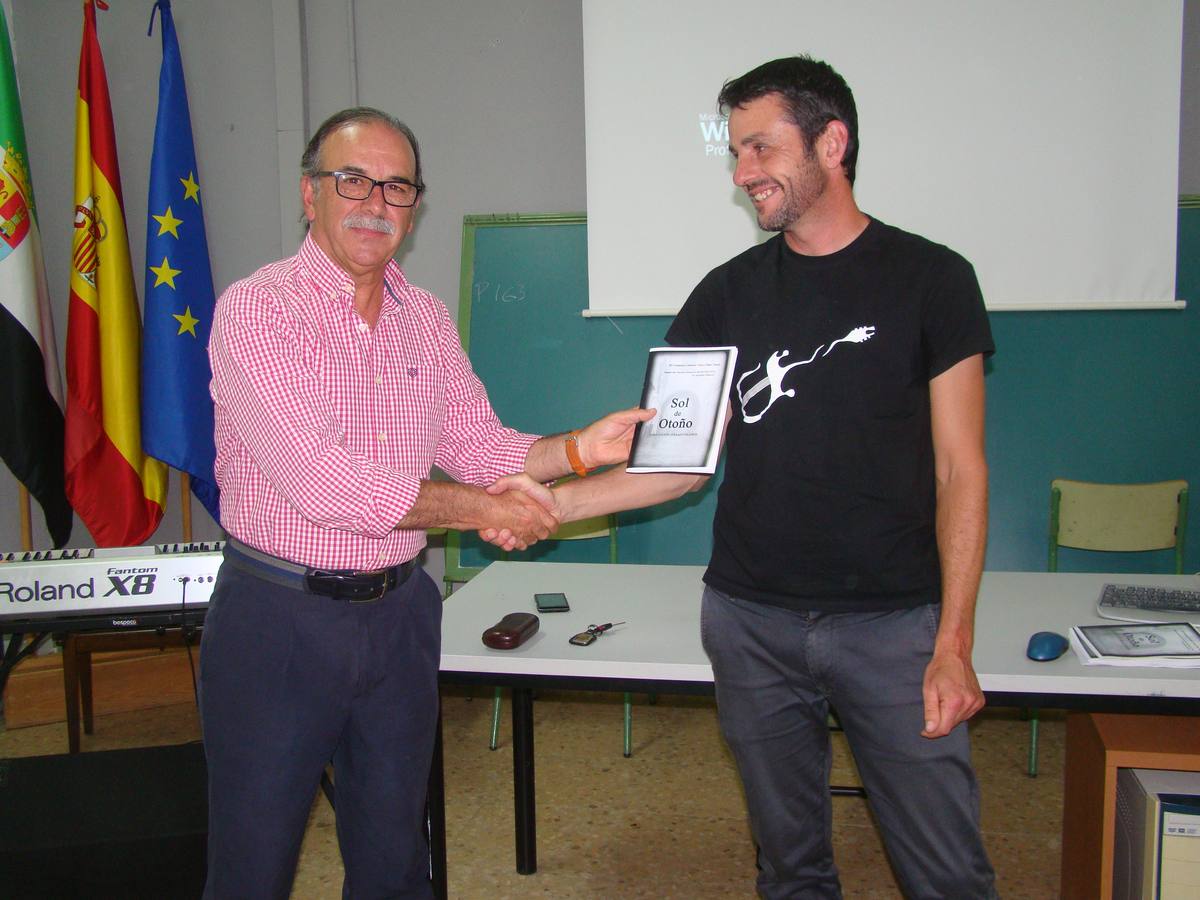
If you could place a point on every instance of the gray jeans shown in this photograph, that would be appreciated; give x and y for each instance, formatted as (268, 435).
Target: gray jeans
(777, 671)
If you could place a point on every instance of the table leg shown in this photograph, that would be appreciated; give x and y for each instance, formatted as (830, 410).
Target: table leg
(523, 781)
(436, 811)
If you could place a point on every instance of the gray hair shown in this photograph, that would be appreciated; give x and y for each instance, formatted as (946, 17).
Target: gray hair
(310, 162)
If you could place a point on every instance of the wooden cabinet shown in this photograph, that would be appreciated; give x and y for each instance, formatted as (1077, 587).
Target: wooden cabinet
(1098, 745)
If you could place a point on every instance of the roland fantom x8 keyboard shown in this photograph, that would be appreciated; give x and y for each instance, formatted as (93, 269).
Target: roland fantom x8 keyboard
(166, 585)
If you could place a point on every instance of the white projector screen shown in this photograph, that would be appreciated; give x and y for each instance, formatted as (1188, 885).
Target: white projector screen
(1039, 138)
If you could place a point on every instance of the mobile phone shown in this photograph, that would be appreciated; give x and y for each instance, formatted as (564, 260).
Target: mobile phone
(548, 603)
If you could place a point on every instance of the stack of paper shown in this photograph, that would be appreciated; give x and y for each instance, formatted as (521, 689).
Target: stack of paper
(1173, 644)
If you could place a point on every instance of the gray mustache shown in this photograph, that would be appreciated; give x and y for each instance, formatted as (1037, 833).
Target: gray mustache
(369, 222)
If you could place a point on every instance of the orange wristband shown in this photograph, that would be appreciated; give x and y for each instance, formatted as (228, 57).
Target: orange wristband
(573, 457)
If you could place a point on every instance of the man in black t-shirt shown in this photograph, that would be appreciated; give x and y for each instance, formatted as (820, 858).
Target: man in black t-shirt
(849, 535)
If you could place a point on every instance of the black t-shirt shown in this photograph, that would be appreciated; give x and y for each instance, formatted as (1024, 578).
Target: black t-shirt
(828, 499)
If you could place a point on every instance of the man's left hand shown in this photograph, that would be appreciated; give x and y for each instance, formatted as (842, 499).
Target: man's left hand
(951, 693)
(606, 441)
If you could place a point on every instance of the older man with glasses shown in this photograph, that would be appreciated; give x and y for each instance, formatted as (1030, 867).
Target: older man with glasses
(337, 386)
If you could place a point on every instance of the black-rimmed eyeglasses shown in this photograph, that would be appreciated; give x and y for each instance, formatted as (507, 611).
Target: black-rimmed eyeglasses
(355, 186)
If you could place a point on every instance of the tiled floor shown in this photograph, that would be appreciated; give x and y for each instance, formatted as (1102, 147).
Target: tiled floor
(668, 822)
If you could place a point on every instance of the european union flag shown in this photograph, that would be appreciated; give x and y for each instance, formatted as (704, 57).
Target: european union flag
(177, 410)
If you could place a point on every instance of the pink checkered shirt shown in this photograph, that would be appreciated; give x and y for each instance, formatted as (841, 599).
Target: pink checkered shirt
(325, 428)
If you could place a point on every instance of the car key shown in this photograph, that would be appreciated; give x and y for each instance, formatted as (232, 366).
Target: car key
(584, 638)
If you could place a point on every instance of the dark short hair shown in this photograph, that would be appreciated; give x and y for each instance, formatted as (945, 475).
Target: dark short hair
(310, 162)
(813, 93)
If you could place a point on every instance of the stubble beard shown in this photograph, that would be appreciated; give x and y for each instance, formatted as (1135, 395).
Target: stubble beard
(799, 196)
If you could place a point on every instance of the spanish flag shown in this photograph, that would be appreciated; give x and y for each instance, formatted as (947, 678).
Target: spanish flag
(115, 488)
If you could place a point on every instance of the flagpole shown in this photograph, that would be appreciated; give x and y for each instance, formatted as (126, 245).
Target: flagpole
(26, 520)
(185, 506)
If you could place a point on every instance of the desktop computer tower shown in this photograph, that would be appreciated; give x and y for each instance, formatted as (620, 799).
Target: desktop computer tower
(1156, 854)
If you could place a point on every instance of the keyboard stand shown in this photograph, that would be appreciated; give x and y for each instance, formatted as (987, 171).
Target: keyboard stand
(14, 652)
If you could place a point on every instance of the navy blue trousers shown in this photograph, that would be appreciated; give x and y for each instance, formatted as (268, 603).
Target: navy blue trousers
(777, 671)
(290, 681)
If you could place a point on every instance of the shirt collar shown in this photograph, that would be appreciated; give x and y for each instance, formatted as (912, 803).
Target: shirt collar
(329, 278)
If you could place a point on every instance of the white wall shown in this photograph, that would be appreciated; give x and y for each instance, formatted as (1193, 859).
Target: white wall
(494, 92)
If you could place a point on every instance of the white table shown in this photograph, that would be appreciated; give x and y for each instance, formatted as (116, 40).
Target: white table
(661, 641)
(659, 650)
(1013, 605)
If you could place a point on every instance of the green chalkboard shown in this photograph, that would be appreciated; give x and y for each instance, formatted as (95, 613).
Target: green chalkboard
(548, 369)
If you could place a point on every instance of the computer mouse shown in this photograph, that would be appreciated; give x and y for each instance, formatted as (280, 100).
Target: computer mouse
(1046, 645)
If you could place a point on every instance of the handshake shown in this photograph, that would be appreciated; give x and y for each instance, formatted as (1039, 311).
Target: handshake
(530, 509)
(522, 510)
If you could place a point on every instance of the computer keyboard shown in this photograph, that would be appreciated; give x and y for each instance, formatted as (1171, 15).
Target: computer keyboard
(1148, 599)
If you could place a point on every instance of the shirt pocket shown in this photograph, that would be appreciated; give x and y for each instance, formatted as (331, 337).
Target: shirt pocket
(416, 384)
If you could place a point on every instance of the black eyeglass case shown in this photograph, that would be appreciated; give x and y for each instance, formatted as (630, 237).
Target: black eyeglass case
(511, 631)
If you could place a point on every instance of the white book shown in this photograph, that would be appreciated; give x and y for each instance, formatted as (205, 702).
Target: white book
(689, 387)
(1169, 644)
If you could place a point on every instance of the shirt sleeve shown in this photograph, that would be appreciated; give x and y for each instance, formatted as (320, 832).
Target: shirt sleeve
(696, 324)
(270, 403)
(955, 322)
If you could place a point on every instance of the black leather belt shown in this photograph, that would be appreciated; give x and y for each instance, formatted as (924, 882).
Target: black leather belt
(341, 584)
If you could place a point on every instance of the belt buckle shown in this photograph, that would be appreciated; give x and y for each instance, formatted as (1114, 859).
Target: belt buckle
(342, 586)
(378, 592)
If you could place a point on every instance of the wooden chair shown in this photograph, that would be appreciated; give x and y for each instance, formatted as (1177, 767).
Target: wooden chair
(1113, 518)
(1118, 517)
(77, 650)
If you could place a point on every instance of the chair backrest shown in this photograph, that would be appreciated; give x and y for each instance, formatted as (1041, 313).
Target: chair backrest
(590, 529)
(456, 572)
(583, 530)
(1117, 517)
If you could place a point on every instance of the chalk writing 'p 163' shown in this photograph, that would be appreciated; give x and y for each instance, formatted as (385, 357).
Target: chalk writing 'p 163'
(500, 293)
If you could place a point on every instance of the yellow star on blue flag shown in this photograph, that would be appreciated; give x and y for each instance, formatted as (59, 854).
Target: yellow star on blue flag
(167, 223)
(177, 413)
(187, 322)
(164, 274)
(191, 190)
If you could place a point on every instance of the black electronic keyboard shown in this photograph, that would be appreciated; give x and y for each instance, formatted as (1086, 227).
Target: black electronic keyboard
(166, 585)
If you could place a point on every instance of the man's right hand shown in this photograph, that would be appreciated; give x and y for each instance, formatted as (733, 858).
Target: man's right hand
(521, 519)
(520, 485)
(513, 518)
